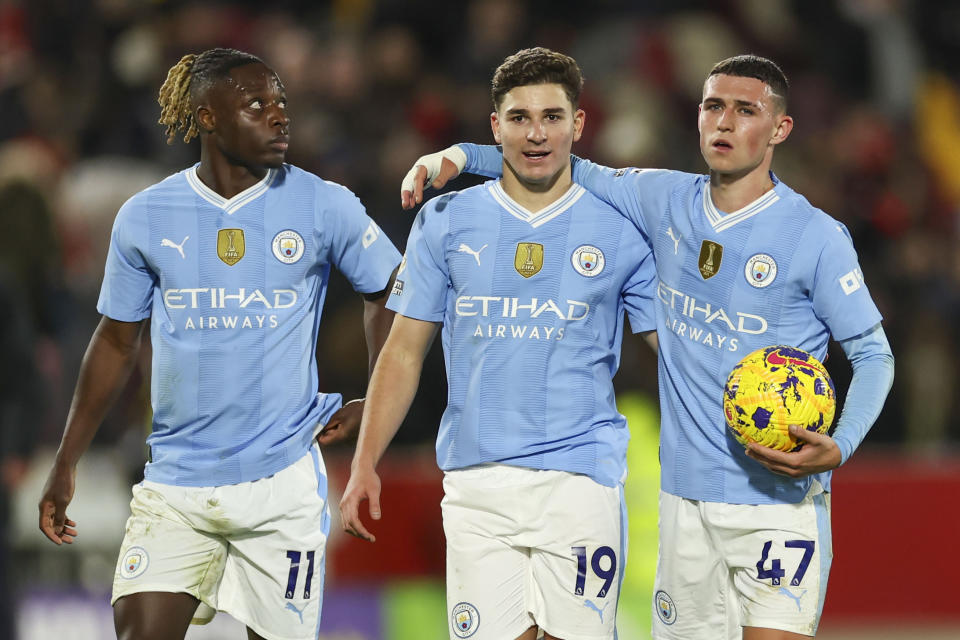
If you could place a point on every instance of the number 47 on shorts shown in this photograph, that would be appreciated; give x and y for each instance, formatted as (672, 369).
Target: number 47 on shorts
(775, 572)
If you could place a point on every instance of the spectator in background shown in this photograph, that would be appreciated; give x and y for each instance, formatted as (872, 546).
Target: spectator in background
(21, 401)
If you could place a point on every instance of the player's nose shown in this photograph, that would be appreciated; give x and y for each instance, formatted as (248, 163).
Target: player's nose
(537, 132)
(278, 117)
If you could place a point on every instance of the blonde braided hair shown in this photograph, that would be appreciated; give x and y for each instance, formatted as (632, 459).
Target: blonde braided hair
(175, 112)
(187, 79)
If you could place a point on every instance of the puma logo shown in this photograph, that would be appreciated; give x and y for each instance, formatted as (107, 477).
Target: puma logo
(174, 245)
(299, 612)
(476, 254)
(796, 599)
(590, 605)
(676, 240)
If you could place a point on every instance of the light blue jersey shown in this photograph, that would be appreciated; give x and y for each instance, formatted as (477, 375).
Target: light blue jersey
(778, 271)
(532, 306)
(234, 289)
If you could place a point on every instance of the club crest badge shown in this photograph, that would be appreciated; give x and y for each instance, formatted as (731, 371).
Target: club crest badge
(230, 245)
(288, 246)
(711, 254)
(465, 620)
(761, 270)
(134, 563)
(587, 260)
(666, 610)
(529, 258)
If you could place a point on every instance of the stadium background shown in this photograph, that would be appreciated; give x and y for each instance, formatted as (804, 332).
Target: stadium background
(373, 85)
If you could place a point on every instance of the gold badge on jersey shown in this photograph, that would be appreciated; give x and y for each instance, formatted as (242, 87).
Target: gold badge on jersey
(230, 245)
(529, 258)
(710, 255)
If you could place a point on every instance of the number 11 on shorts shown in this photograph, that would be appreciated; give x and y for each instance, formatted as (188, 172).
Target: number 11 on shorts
(294, 557)
(596, 563)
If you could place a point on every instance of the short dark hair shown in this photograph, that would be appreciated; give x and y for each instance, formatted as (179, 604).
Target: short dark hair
(188, 79)
(753, 66)
(537, 65)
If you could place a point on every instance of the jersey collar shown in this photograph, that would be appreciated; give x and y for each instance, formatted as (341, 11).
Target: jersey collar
(535, 219)
(232, 204)
(720, 220)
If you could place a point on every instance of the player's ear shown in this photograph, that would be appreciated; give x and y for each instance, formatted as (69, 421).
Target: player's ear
(579, 119)
(495, 126)
(204, 117)
(783, 129)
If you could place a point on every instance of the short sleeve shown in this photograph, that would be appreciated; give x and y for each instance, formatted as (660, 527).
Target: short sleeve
(128, 281)
(640, 289)
(422, 285)
(356, 245)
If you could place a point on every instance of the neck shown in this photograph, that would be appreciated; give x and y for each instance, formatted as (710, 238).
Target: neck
(535, 196)
(731, 192)
(225, 178)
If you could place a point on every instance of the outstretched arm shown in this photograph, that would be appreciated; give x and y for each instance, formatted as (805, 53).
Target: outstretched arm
(109, 359)
(623, 189)
(392, 388)
(377, 319)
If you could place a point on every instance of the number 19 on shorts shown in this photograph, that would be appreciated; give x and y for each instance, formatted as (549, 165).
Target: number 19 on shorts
(603, 562)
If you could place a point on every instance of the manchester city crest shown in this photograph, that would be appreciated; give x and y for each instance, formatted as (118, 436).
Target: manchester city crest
(666, 610)
(465, 620)
(761, 270)
(587, 260)
(288, 246)
(134, 563)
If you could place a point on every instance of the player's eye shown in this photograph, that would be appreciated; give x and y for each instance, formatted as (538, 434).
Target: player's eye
(282, 102)
(516, 118)
(256, 104)
(747, 111)
(553, 117)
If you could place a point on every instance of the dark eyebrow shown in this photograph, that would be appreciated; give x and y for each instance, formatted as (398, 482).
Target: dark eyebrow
(548, 111)
(739, 103)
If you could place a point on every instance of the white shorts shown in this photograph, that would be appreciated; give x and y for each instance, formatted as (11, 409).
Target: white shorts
(254, 549)
(530, 547)
(722, 567)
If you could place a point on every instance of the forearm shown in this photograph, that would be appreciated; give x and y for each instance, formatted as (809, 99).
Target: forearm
(377, 320)
(392, 387)
(110, 357)
(872, 363)
(483, 159)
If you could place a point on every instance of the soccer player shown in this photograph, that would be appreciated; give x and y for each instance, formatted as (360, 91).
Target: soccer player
(529, 277)
(743, 262)
(229, 260)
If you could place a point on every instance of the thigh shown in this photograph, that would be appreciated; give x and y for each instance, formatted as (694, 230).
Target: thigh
(274, 573)
(153, 615)
(577, 561)
(692, 591)
(162, 550)
(487, 574)
(780, 557)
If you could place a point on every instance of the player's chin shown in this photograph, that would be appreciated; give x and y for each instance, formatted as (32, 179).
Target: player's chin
(274, 162)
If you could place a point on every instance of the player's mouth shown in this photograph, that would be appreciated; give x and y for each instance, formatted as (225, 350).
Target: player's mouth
(535, 156)
(722, 145)
(280, 143)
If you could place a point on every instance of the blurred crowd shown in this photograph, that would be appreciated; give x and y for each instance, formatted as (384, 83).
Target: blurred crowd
(373, 84)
